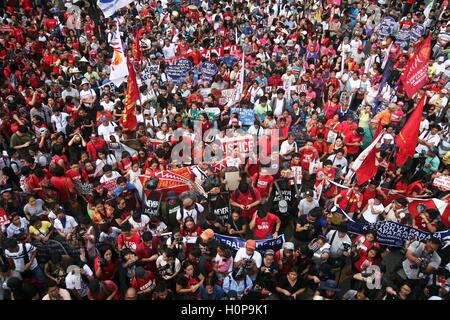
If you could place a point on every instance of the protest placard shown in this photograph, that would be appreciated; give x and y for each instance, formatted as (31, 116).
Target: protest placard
(246, 116)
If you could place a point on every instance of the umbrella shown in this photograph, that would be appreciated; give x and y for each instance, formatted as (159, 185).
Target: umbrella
(192, 7)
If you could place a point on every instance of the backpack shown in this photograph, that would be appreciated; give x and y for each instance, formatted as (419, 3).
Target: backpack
(44, 159)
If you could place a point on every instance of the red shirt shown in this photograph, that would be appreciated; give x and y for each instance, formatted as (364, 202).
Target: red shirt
(346, 128)
(245, 199)
(144, 252)
(421, 225)
(63, 185)
(92, 148)
(143, 284)
(263, 227)
(306, 157)
(352, 137)
(50, 23)
(107, 269)
(111, 287)
(129, 242)
(263, 184)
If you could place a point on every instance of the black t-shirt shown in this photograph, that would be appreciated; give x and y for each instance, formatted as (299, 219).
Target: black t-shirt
(237, 225)
(307, 235)
(299, 284)
(164, 101)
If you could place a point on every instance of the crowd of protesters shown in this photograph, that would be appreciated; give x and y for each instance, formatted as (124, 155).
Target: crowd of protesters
(68, 175)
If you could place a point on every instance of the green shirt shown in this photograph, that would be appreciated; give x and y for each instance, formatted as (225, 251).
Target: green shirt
(368, 136)
(16, 140)
(261, 111)
(434, 165)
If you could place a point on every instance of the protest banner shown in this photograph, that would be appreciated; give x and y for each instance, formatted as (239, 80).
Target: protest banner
(403, 37)
(387, 27)
(179, 70)
(394, 234)
(262, 246)
(442, 183)
(219, 51)
(196, 114)
(246, 116)
(417, 31)
(110, 85)
(148, 71)
(226, 95)
(245, 144)
(208, 70)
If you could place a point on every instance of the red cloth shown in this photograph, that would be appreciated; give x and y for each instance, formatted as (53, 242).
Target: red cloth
(368, 168)
(107, 269)
(246, 199)
(263, 184)
(415, 75)
(406, 140)
(128, 120)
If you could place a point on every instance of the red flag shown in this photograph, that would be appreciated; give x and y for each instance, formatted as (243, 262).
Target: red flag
(128, 119)
(368, 168)
(137, 54)
(406, 140)
(416, 72)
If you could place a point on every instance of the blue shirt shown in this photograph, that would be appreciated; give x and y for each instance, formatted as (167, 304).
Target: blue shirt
(229, 284)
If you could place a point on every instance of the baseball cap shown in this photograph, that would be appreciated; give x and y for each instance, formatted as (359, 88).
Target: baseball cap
(104, 118)
(441, 59)
(207, 234)
(288, 246)
(250, 244)
(171, 195)
(309, 194)
(269, 252)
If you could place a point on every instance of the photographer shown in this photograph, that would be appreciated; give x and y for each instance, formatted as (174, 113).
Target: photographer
(269, 268)
(421, 260)
(285, 258)
(340, 246)
(177, 243)
(308, 226)
(238, 281)
(248, 259)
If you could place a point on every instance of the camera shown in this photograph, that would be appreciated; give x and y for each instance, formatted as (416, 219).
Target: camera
(164, 270)
(101, 262)
(310, 227)
(346, 246)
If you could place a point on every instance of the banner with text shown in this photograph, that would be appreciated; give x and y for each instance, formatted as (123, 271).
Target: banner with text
(262, 246)
(394, 234)
(247, 116)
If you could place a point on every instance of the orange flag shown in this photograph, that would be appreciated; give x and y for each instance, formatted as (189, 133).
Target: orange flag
(406, 141)
(128, 120)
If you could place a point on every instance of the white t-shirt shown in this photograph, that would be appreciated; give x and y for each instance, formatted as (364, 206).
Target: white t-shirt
(160, 262)
(106, 131)
(110, 183)
(242, 254)
(433, 139)
(278, 108)
(13, 230)
(370, 216)
(141, 226)
(190, 213)
(169, 51)
(74, 281)
(286, 147)
(18, 257)
(108, 106)
(71, 224)
(307, 206)
(63, 293)
(60, 121)
(87, 96)
(337, 246)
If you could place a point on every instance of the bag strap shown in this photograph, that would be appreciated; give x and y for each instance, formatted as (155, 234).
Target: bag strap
(26, 258)
(332, 238)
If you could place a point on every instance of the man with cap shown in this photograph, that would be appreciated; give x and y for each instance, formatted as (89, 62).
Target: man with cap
(189, 208)
(430, 164)
(87, 95)
(248, 258)
(328, 290)
(285, 258)
(265, 225)
(207, 243)
(169, 209)
(75, 283)
(308, 226)
(106, 128)
(307, 204)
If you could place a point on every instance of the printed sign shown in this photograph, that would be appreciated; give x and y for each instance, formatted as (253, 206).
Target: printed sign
(148, 71)
(387, 27)
(3, 217)
(178, 71)
(219, 51)
(262, 246)
(417, 31)
(442, 183)
(226, 95)
(245, 145)
(403, 37)
(208, 70)
(246, 116)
